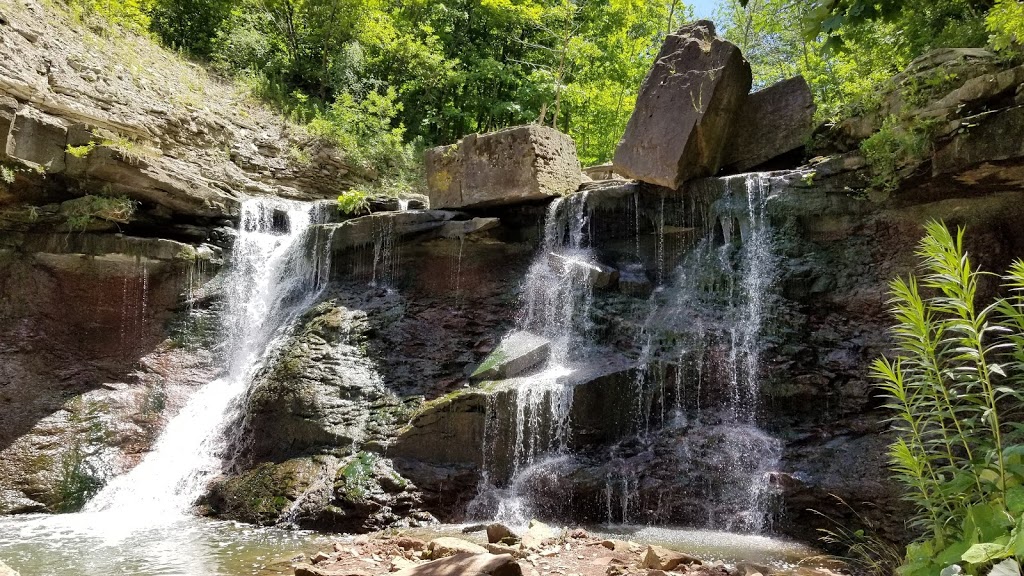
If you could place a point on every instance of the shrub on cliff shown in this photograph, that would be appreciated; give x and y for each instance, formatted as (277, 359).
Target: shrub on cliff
(955, 391)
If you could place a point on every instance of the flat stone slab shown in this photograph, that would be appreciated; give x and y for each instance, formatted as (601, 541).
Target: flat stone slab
(597, 275)
(517, 353)
(684, 112)
(772, 122)
(466, 565)
(507, 167)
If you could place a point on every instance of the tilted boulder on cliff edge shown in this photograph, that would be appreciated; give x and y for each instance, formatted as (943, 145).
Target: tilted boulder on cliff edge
(685, 109)
(771, 123)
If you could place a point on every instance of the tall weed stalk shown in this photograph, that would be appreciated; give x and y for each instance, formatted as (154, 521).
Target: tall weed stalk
(954, 391)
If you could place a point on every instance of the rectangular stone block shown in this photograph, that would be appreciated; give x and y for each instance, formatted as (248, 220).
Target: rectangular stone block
(515, 165)
(38, 139)
(772, 122)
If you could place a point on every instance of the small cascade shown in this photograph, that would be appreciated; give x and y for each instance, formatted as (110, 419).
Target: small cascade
(701, 357)
(378, 261)
(134, 304)
(278, 264)
(557, 298)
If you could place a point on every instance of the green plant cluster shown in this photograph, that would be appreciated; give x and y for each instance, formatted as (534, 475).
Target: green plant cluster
(81, 212)
(896, 146)
(78, 481)
(352, 201)
(954, 391)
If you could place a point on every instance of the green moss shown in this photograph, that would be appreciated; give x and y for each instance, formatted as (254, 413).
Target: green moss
(494, 359)
(260, 495)
(193, 330)
(355, 479)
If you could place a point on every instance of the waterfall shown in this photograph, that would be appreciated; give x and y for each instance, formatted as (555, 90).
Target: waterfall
(708, 325)
(556, 302)
(278, 265)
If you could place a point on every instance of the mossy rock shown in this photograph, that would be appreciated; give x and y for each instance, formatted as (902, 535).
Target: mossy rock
(263, 494)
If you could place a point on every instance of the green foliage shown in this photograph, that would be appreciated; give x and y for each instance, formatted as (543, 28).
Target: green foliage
(865, 552)
(130, 150)
(1005, 23)
(352, 201)
(950, 388)
(80, 151)
(6, 175)
(81, 212)
(78, 481)
(189, 25)
(848, 49)
(432, 70)
(128, 15)
(893, 148)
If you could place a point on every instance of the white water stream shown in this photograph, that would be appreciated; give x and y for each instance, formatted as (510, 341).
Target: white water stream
(276, 269)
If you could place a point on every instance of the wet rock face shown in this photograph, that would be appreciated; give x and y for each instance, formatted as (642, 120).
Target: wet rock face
(391, 330)
(685, 109)
(96, 353)
(521, 164)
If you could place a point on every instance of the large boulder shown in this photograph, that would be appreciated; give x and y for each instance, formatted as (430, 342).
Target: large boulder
(772, 122)
(685, 109)
(507, 167)
(37, 139)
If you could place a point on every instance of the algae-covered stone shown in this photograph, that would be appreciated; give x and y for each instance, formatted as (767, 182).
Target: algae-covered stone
(515, 165)
(518, 352)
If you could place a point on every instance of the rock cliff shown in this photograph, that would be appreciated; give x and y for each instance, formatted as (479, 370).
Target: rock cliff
(121, 170)
(390, 401)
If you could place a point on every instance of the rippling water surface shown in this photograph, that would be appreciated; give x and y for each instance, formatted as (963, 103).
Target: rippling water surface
(106, 544)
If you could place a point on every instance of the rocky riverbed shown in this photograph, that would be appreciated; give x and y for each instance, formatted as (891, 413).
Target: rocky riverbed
(542, 550)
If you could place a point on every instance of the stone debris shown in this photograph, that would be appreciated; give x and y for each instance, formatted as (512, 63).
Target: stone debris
(545, 550)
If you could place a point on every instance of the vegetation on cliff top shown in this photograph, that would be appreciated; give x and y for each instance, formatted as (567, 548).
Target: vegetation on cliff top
(847, 48)
(383, 78)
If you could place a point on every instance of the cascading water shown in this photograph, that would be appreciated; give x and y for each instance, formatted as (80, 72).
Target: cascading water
(708, 325)
(557, 298)
(277, 267)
